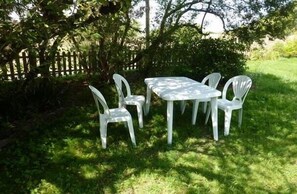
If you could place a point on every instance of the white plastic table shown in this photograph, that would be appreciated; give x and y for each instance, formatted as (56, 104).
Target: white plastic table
(179, 89)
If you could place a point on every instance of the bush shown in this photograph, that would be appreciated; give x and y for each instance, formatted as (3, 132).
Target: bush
(198, 58)
(214, 55)
(286, 48)
(17, 98)
(290, 48)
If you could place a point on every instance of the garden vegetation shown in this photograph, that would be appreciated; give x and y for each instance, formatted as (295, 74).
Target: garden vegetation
(49, 137)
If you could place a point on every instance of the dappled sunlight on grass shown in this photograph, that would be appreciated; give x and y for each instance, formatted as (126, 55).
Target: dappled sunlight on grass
(46, 187)
(151, 182)
(64, 154)
(90, 171)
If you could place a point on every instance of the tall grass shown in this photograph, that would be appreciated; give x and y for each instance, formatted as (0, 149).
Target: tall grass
(62, 152)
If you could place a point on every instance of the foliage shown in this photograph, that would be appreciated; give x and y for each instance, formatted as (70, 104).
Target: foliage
(61, 152)
(189, 55)
(222, 56)
(280, 20)
(41, 94)
(44, 25)
(277, 49)
(241, 21)
(24, 101)
(290, 48)
(249, 20)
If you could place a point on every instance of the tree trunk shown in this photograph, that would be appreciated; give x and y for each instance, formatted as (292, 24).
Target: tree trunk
(147, 23)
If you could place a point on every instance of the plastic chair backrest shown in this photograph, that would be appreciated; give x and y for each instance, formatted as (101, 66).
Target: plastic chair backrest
(118, 79)
(213, 79)
(98, 97)
(241, 84)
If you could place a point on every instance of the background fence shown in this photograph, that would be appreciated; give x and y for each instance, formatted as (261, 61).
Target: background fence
(65, 63)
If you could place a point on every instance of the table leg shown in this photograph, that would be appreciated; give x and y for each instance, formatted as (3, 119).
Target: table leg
(214, 117)
(195, 111)
(169, 121)
(148, 100)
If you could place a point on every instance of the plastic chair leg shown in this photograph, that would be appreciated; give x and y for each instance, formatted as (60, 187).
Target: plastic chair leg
(204, 107)
(131, 132)
(140, 115)
(240, 117)
(228, 115)
(103, 133)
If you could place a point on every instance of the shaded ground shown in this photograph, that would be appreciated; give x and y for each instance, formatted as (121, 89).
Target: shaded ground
(75, 93)
(71, 92)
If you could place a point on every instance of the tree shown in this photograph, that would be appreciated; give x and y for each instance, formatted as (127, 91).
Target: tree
(147, 22)
(247, 21)
(43, 24)
(109, 24)
(277, 23)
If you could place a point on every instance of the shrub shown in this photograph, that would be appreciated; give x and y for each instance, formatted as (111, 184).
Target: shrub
(198, 58)
(285, 48)
(17, 99)
(290, 48)
(214, 55)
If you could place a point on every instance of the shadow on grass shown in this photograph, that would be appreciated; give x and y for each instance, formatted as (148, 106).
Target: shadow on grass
(64, 154)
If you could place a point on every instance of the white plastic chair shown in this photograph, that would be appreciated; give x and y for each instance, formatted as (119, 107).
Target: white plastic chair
(111, 115)
(241, 85)
(211, 80)
(129, 99)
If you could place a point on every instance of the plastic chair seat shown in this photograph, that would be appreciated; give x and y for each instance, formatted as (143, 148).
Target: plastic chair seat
(118, 115)
(134, 100)
(224, 103)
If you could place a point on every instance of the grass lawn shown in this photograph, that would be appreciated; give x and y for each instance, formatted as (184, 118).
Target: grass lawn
(61, 152)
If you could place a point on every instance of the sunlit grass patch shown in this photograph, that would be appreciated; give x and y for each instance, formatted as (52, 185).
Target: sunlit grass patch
(46, 187)
(151, 182)
(284, 68)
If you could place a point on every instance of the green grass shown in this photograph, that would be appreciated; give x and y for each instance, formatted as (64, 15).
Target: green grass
(284, 68)
(61, 152)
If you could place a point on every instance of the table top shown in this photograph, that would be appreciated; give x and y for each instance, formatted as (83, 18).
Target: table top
(180, 88)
